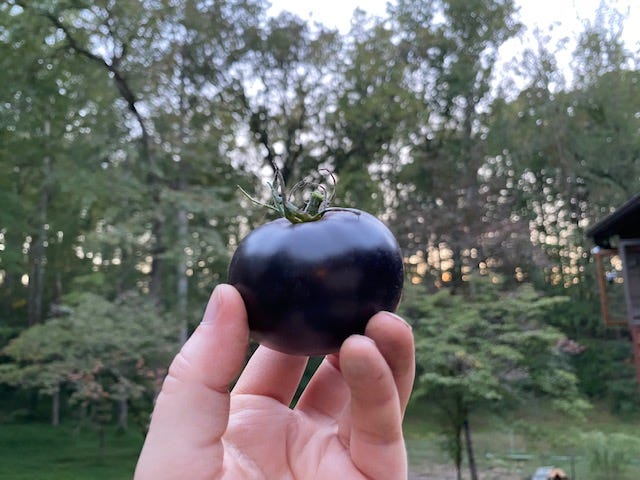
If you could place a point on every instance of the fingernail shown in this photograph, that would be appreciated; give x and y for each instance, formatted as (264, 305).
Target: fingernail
(400, 319)
(212, 307)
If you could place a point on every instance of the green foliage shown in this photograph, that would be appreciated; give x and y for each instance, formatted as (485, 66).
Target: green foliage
(549, 143)
(609, 454)
(487, 349)
(606, 373)
(374, 107)
(451, 49)
(292, 76)
(102, 351)
(487, 343)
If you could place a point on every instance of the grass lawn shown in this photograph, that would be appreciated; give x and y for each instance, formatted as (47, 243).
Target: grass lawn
(533, 436)
(42, 452)
(505, 449)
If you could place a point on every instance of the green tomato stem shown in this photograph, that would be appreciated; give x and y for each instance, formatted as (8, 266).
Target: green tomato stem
(314, 203)
(314, 209)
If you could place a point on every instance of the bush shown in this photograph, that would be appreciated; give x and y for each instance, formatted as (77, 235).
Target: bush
(610, 454)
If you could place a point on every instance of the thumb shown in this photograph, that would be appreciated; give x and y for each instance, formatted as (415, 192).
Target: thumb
(192, 409)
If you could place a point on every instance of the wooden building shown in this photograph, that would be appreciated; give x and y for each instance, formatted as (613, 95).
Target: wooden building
(617, 236)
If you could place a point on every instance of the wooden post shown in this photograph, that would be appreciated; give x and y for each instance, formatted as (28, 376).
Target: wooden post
(635, 338)
(610, 318)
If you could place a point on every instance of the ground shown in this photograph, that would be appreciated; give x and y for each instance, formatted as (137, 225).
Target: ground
(443, 472)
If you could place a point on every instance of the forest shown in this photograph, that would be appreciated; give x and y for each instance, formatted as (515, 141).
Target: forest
(129, 130)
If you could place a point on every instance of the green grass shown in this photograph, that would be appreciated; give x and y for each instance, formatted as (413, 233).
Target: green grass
(36, 451)
(43, 452)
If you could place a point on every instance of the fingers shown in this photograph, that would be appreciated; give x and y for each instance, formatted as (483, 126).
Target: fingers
(272, 374)
(327, 393)
(394, 339)
(376, 443)
(192, 409)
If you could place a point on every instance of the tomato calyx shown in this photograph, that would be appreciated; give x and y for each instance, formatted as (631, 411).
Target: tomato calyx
(314, 207)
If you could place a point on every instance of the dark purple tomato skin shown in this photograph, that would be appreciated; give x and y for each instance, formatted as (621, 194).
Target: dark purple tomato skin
(308, 286)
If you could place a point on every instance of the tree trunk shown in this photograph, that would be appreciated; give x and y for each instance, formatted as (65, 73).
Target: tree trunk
(155, 282)
(182, 286)
(183, 281)
(455, 413)
(37, 253)
(473, 470)
(55, 407)
(101, 440)
(457, 451)
(123, 417)
(456, 271)
(82, 415)
(58, 296)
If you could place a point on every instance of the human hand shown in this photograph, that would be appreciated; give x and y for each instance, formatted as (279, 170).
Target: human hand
(346, 425)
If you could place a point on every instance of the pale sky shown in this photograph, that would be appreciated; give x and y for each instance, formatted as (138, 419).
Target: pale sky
(565, 16)
(337, 13)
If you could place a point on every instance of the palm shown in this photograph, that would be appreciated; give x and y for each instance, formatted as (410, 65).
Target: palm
(314, 442)
(346, 424)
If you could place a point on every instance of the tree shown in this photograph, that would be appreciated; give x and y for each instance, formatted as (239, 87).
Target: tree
(173, 93)
(452, 49)
(374, 110)
(486, 349)
(567, 150)
(105, 353)
(288, 76)
(56, 126)
(551, 145)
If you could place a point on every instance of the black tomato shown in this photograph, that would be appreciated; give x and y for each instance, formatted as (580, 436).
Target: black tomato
(308, 286)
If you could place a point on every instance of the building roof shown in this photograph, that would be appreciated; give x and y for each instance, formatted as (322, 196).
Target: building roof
(623, 223)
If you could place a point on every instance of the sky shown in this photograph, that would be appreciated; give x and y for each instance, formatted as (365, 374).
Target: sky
(565, 17)
(337, 13)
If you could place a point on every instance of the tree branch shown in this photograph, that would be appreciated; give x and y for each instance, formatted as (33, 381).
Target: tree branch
(121, 83)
